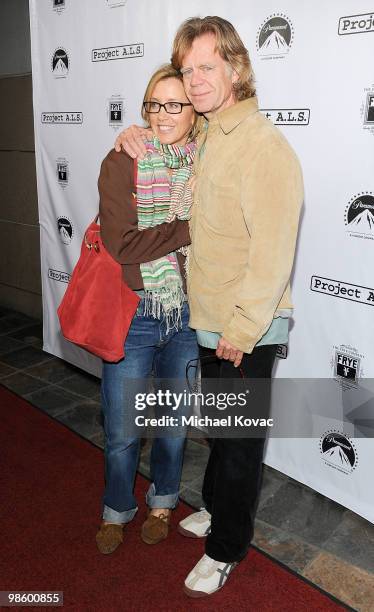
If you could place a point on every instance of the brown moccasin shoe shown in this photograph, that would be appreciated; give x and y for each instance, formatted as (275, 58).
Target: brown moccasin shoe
(155, 528)
(109, 537)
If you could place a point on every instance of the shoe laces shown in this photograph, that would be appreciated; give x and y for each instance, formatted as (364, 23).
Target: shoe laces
(206, 565)
(165, 518)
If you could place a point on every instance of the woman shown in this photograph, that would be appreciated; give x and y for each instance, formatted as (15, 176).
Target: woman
(144, 226)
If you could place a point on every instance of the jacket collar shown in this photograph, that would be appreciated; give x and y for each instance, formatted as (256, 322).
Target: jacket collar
(231, 117)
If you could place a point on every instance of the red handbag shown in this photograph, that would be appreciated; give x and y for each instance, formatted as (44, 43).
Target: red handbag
(97, 308)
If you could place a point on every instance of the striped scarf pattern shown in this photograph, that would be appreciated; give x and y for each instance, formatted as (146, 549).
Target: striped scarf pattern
(161, 199)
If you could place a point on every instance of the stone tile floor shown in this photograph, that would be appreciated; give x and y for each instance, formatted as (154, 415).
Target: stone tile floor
(312, 535)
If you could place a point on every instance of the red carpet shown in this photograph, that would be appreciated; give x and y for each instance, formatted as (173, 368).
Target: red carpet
(51, 484)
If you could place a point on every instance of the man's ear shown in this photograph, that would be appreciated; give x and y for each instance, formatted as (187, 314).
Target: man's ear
(234, 76)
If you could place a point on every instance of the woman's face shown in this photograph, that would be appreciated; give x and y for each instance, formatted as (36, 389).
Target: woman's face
(171, 128)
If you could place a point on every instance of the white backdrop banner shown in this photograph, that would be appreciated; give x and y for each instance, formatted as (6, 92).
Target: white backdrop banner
(91, 61)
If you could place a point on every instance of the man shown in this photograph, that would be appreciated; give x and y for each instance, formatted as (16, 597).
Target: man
(247, 200)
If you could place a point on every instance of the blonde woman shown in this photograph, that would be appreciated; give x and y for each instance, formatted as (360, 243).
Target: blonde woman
(144, 212)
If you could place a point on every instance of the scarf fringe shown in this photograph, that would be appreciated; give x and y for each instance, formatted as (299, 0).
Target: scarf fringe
(166, 305)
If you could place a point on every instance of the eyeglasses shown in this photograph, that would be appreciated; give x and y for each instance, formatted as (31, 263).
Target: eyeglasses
(173, 108)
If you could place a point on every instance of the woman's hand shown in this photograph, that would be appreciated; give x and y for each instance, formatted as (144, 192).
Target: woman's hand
(132, 140)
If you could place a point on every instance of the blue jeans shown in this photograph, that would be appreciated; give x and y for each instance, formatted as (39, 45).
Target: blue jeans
(148, 349)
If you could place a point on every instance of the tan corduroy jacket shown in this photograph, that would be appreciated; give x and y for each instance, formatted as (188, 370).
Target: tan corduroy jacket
(244, 224)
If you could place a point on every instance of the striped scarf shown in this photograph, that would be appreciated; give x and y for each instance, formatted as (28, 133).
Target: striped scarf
(161, 199)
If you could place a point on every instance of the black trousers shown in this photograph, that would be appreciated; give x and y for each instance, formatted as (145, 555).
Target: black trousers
(233, 475)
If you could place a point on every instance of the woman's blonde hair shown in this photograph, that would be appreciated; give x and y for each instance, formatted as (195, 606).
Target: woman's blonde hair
(228, 44)
(167, 71)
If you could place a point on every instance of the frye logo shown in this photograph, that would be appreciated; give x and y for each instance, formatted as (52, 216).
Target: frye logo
(62, 170)
(347, 368)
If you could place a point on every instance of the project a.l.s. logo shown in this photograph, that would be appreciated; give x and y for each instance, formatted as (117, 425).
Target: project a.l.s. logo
(287, 116)
(356, 24)
(59, 276)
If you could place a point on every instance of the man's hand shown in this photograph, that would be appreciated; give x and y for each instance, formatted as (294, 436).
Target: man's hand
(132, 140)
(225, 350)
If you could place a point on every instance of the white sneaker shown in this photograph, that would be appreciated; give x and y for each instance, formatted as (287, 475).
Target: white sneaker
(196, 525)
(207, 577)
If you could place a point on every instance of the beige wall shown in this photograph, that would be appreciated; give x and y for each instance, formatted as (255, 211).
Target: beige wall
(20, 285)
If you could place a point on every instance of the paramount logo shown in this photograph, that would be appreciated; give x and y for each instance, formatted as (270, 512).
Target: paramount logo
(287, 116)
(356, 24)
(275, 36)
(116, 53)
(55, 118)
(338, 451)
(58, 6)
(359, 216)
(60, 63)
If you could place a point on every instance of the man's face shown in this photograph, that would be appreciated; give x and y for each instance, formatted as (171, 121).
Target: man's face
(207, 78)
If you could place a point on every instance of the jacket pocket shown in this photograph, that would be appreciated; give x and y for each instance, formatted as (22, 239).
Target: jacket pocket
(216, 204)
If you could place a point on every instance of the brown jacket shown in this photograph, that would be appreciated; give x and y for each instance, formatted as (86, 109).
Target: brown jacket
(119, 222)
(247, 201)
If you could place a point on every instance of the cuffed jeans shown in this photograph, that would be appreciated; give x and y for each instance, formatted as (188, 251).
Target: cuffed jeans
(233, 475)
(148, 349)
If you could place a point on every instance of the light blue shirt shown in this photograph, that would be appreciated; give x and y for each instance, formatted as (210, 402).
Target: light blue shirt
(276, 334)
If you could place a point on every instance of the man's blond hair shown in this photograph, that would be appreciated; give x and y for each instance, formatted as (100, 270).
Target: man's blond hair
(228, 44)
